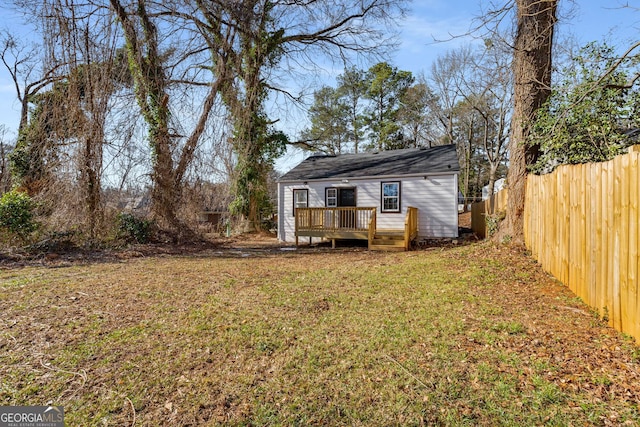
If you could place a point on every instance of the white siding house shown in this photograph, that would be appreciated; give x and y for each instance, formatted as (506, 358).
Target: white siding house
(390, 181)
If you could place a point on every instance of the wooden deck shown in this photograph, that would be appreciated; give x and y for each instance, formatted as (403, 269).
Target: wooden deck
(355, 223)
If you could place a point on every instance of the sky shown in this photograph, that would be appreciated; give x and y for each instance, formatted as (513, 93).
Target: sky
(428, 21)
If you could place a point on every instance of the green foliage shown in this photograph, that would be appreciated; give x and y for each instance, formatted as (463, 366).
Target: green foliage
(412, 115)
(17, 213)
(133, 228)
(590, 114)
(255, 142)
(55, 118)
(493, 222)
(337, 120)
(250, 185)
(27, 160)
(381, 103)
(386, 89)
(20, 161)
(329, 132)
(352, 87)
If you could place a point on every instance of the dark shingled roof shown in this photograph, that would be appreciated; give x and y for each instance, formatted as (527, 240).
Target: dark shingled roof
(412, 161)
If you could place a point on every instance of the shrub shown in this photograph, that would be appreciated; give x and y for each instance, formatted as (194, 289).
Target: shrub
(16, 213)
(133, 228)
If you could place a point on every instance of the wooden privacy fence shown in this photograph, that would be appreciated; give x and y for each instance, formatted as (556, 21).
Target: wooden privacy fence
(483, 212)
(582, 225)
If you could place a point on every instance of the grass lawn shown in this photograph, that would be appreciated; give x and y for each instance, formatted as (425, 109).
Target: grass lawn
(469, 335)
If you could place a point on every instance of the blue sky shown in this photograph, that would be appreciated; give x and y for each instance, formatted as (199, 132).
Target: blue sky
(435, 19)
(430, 19)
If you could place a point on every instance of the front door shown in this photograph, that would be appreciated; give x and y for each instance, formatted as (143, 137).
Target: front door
(347, 198)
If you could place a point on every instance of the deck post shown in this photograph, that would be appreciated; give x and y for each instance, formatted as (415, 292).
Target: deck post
(296, 226)
(333, 243)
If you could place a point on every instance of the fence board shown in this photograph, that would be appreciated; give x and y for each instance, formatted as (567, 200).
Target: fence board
(480, 210)
(582, 223)
(634, 239)
(624, 242)
(617, 199)
(573, 243)
(582, 227)
(565, 187)
(595, 226)
(606, 240)
(553, 262)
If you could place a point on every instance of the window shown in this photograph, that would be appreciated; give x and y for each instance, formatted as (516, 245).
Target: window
(300, 199)
(390, 197)
(331, 196)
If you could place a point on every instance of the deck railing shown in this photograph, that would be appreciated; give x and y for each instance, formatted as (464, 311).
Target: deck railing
(334, 219)
(350, 223)
(410, 227)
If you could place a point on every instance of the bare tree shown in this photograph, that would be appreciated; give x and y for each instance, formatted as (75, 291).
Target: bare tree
(84, 41)
(221, 50)
(5, 149)
(491, 82)
(21, 60)
(254, 38)
(152, 84)
(472, 104)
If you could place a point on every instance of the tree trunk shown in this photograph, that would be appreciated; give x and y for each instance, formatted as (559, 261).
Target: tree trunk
(532, 77)
(90, 173)
(152, 95)
(165, 195)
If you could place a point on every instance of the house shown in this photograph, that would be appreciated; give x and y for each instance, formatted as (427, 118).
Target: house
(389, 198)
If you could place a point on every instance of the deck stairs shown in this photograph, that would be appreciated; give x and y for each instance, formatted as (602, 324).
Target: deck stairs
(388, 240)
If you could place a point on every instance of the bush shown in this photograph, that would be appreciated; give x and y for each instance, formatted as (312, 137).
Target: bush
(133, 228)
(16, 213)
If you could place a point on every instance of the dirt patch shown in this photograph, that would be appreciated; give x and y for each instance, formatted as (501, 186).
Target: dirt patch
(464, 220)
(257, 243)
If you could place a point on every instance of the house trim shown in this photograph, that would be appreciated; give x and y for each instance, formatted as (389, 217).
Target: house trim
(399, 197)
(294, 191)
(395, 177)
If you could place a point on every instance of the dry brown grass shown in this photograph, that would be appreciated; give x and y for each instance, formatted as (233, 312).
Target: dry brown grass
(248, 334)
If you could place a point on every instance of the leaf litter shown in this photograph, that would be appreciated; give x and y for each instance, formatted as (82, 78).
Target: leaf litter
(466, 335)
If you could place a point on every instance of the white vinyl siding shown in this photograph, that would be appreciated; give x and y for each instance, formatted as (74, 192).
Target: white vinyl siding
(436, 198)
(437, 201)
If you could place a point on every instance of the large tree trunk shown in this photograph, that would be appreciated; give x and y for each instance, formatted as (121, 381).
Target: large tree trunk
(97, 89)
(532, 77)
(152, 95)
(164, 196)
(90, 173)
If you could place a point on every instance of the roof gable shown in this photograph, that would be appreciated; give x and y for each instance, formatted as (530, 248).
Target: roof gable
(412, 161)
